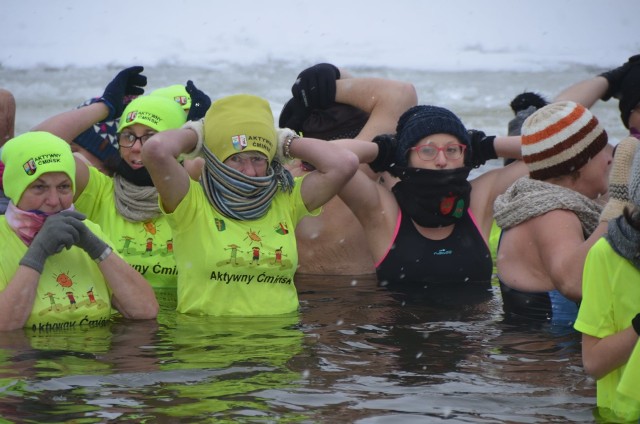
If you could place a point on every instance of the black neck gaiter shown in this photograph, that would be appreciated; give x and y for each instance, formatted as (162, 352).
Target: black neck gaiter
(433, 198)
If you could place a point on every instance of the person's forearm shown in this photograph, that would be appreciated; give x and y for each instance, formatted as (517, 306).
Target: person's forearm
(16, 300)
(586, 92)
(364, 150)
(385, 101)
(508, 147)
(70, 124)
(131, 293)
(601, 356)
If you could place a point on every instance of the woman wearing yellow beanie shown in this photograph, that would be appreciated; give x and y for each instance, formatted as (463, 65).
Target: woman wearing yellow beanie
(126, 206)
(234, 231)
(56, 270)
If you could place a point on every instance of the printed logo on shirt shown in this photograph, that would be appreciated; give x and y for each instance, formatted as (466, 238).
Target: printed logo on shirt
(443, 252)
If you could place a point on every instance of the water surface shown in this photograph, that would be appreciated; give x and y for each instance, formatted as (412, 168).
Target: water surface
(354, 353)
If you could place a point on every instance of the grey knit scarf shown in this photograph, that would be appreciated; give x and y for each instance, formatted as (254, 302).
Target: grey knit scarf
(135, 203)
(238, 196)
(624, 239)
(527, 199)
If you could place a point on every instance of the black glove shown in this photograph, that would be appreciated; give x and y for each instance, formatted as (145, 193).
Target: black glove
(615, 76)
(59, 231)
(482, 148)
(316, 86)
(128, 82)
(200, 102)
(387, 146)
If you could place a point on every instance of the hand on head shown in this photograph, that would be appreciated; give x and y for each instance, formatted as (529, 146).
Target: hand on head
(616, 76)
(129, 81)
(316, 86)
(200, 102)
(387, 146)
(482, 148)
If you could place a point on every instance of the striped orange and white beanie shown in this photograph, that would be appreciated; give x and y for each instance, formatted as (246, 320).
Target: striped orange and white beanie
(560, 138)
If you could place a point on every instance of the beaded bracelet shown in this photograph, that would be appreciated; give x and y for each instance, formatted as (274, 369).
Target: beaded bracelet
(286, 147)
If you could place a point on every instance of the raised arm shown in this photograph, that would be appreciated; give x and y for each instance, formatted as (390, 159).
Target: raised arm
(372, 203)
(604, 86)
(70, 124)
(384, 99)
(334, 166)
(586, 92)
(322, 85)
(160, 157)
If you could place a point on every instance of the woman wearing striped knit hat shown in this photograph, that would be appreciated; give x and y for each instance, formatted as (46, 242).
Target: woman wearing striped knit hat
(551, 218)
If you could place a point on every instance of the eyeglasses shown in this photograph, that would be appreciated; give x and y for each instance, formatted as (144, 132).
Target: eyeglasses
(429, 151)
(256, 159)
(128, 139)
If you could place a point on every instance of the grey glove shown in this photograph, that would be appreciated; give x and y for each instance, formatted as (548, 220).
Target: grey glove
(59, 231)
(88, 241)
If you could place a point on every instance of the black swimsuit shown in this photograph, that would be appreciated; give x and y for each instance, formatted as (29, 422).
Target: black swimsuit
(460, 261)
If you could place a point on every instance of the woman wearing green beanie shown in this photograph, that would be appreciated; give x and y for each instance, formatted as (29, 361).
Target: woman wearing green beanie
(56, 269)
(126, 205)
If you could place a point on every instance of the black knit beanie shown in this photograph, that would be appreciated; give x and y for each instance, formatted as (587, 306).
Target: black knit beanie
(421, 121)
(629, 93)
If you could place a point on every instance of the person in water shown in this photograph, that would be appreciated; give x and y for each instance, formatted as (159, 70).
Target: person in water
(57, 269)
(334, 242)
(609, 315)
(126, 205)
(98, 144)
(551, 218)
(429, 232)
(233, 230)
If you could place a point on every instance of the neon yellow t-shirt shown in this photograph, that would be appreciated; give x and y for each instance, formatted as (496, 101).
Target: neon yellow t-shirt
(231, 267)
(146, 246)
(610, 293)
(72, 292)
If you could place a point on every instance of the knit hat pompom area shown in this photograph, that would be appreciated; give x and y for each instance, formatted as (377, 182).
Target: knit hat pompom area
(422, 121)
(560, 138)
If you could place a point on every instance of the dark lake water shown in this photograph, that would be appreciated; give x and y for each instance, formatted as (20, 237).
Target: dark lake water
(354, 353)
